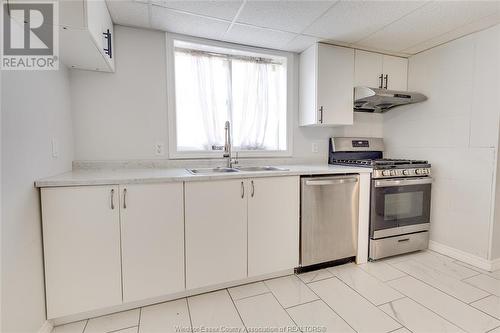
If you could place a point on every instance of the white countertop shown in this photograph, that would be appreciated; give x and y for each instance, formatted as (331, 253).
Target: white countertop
(151, 175)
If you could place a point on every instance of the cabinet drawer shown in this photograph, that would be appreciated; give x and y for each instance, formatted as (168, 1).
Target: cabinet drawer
(385, 247)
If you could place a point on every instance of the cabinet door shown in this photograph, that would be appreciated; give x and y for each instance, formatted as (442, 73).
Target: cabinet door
(81, 239)
(273, 225)
(152, 226)
(99, 21)
(396, 70)
(216, 232)
(368, 69)
(335, 85)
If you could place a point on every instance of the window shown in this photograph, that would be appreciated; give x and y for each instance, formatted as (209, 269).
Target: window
(214, 84)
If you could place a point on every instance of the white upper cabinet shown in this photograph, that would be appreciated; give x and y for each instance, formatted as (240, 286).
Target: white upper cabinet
(377, 70)
(86, 35)
(152, 240)
(326, 85)
(395, 73)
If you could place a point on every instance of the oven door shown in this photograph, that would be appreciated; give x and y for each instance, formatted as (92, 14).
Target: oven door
(400, 206)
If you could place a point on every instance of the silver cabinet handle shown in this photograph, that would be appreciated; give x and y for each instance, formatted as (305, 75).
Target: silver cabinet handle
(124, 198)
(386, 78)
(242, 190)
(320, 115)
(253, 189)
(381, 77)
(332, 181)
(112, 198)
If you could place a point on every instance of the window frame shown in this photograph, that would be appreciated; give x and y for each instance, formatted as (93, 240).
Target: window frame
(173, 153)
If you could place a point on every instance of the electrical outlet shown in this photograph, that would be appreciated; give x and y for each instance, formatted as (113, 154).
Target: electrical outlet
(159, 149)
(314, 147)
(55, 148)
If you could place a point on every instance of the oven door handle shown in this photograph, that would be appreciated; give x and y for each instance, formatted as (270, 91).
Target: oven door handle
(402, 182)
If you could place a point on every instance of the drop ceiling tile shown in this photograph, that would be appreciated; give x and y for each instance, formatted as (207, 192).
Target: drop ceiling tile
(464, 30)
(293, 16)
(300, 43)
(350, 21)
(428, 22)
(181, 23)
(221, 9)
(130, 13)
(249, 35)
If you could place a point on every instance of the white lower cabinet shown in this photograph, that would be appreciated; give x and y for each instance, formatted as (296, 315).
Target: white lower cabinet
(152, 240)
(273, 225)
(109, 245)
(81, 237)
(216, 232)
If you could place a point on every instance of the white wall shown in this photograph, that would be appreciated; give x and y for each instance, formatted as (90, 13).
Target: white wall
(457, 131)
(35, 109)
(121, 116)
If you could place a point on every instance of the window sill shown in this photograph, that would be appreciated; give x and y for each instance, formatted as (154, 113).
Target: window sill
(218, 155)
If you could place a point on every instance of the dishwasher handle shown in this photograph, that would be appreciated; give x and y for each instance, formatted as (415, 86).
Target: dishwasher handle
(331, 181)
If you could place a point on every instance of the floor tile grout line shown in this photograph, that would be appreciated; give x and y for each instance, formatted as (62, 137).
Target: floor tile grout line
(442, 272)
(284, 309)
(376, 277)
(369, 301)
(121, 329)
(259, 294)
(189, 314)
(85, 326)
(328, 305)
(492, 329)
(139, 322)
(308, 302)
(237, 311)
(394, 300)
(481, 299)
(445, 291)
(478, 287)
(439, 315)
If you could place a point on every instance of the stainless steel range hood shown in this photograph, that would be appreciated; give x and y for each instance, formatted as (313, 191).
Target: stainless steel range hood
(380, 100)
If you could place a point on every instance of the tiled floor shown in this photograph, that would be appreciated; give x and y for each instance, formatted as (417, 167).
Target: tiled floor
(420, 292)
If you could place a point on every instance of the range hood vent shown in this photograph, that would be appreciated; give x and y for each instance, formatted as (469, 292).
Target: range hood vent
(380, 100)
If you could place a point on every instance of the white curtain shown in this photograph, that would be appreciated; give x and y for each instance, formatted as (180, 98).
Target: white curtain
(211, 90)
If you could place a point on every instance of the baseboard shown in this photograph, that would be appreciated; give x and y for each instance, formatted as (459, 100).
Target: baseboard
(132, 305)
(47, 327)
(495, 264)
(468, 258)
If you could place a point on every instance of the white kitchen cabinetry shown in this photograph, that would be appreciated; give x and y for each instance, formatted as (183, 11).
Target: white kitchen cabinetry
(83, 228)
(152, 240)
(223, 216)
(81, 237)
(273, 225)
(377, 70)
(216, 232)
(326, 85)
(86, 35)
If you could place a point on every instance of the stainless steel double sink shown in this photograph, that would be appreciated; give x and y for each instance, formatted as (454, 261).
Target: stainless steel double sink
(211, 171)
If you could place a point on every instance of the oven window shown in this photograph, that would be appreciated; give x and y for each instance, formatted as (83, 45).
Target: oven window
(403, 205)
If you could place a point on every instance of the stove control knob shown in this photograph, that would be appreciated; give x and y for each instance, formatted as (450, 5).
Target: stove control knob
(393, 173)
(419, 171)
(386, 173)
(406, 172)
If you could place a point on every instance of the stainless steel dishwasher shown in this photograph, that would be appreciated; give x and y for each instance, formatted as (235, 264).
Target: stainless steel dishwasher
(329, 218)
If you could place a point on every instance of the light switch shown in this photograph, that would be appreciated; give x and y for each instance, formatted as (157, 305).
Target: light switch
(55, 148)
(159, 149)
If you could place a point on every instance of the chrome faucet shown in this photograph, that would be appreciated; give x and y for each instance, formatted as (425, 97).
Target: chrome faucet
(228, 145)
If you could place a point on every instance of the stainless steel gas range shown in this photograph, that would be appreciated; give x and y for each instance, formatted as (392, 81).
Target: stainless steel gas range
(400, 200)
